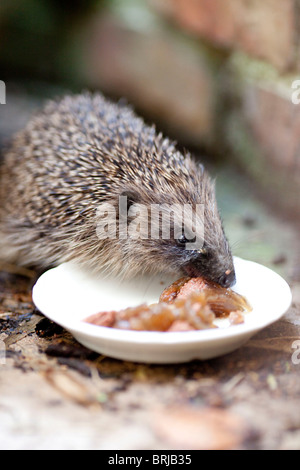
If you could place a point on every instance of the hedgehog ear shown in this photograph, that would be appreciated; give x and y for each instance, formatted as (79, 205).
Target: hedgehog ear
(132, 197)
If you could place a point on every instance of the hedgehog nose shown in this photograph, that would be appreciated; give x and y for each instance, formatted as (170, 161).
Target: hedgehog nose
(227, 279)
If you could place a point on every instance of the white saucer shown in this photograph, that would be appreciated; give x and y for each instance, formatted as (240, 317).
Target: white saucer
(67, 295)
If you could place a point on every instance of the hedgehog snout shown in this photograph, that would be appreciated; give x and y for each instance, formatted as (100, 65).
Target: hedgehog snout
(227, 279)
(208, 270)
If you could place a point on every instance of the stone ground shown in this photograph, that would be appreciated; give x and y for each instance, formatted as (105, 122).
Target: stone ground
(56, 394)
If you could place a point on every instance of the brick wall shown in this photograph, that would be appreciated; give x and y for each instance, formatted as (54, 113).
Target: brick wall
(263, 29)
(260, 125)
(213, 73)
(164, 77)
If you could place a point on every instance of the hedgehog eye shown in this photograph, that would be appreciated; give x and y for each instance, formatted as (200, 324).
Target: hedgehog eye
(182, 240)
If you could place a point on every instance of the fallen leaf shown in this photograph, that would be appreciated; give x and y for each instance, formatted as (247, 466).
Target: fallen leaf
(200, 429)
(71, 388)
(281, 344)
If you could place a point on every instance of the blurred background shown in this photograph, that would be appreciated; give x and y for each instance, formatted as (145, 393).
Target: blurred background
(214, 75)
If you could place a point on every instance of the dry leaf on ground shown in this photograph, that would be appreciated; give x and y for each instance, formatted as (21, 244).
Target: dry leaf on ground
(207, 428)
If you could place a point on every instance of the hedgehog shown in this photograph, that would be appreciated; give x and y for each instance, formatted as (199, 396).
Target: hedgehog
(82, 152)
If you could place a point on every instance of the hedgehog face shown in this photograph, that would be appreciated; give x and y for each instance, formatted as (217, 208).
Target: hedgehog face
(206, 262)
(156, 241)
(211, 258)
(169, 255)
(212, 266)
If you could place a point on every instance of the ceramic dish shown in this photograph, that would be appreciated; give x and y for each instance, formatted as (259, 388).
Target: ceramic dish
(67, 295)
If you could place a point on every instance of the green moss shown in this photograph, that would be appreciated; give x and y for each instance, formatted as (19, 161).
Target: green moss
(250, 69)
